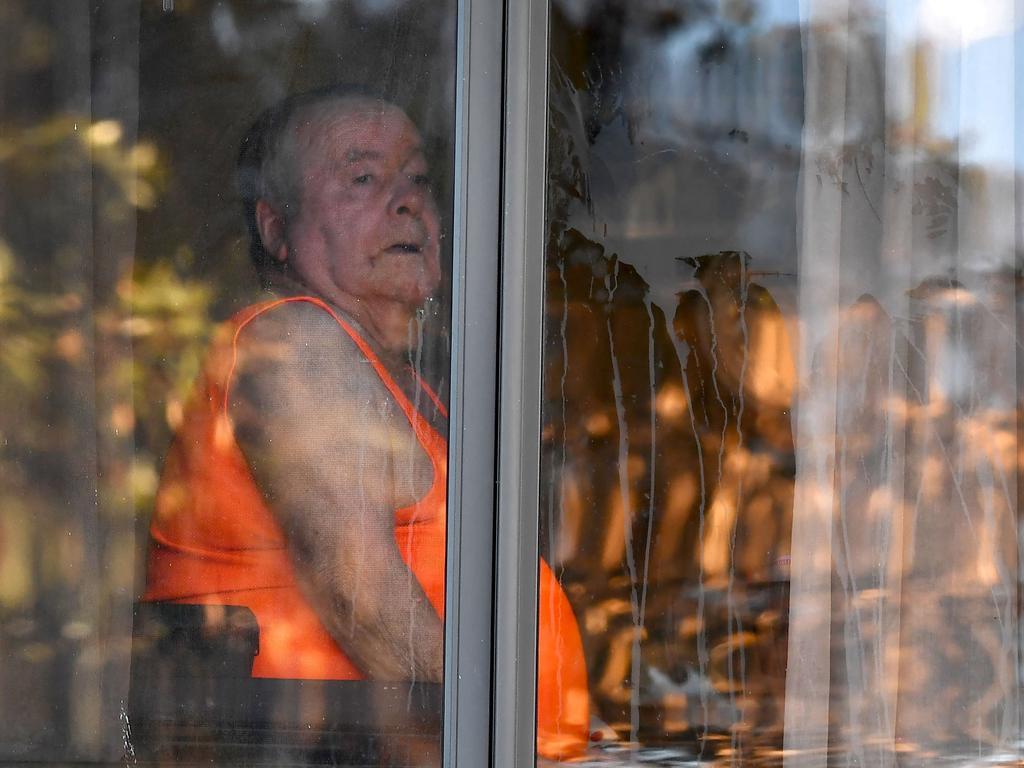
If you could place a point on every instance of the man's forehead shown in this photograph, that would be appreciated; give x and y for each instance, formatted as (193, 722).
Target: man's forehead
(357, 154)
(358, 129)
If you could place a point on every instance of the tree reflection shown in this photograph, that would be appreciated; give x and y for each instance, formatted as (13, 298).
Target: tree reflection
(120, 244)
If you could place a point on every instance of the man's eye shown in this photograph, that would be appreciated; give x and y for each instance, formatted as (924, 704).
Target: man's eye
(366, 178)
(421, 180)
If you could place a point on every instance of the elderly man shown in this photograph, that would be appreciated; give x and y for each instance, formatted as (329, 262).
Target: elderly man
(308, 479)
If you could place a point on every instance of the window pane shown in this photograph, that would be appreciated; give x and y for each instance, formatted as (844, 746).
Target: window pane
(780, 410)
(224, 488)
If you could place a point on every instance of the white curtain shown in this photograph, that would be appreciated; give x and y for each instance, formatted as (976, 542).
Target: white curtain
(904, 609)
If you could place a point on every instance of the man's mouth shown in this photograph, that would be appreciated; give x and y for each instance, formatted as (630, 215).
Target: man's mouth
(406, 248)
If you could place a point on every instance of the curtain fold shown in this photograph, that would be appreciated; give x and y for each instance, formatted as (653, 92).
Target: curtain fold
(904, 618)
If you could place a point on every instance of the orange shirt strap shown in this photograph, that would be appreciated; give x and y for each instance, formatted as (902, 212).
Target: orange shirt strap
(356, 337)
(431, 394)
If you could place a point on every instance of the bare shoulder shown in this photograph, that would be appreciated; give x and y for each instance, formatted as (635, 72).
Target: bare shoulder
(307, 403)
(298, 334)
(299, 350)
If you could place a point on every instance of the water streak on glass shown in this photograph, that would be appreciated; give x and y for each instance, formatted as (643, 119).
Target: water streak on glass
(780, 415)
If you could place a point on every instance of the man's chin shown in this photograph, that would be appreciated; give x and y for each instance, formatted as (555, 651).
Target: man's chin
(413, 303)
(411, 289)
(416, 296)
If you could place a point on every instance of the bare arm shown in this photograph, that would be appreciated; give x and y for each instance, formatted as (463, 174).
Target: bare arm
(329, 449)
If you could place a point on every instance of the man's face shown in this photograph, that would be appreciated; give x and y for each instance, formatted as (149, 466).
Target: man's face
(367, 228)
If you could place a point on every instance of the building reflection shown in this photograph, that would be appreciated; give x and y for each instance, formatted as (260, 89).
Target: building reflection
(669, 458)
(670, 473)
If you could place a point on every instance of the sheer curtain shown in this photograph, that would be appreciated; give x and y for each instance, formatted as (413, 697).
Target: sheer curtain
(904, 584)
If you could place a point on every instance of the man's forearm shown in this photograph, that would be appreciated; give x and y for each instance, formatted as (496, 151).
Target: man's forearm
(406, 642)
(383, 622)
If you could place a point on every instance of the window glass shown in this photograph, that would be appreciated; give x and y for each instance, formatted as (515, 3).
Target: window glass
(224, 487)
(780, 410)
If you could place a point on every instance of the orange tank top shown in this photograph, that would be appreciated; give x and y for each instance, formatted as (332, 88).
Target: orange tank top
(214, 541)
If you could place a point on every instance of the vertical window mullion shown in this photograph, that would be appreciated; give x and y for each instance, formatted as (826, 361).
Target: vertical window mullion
(472, 443)
(520, 377)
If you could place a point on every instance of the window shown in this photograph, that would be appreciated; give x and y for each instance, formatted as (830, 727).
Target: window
(700, 405)
(161, 597)
(779, 433)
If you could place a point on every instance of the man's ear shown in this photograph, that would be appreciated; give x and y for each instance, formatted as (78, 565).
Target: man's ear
(272, 231)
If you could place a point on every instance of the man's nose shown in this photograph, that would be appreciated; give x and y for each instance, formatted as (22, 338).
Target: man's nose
(409, 198)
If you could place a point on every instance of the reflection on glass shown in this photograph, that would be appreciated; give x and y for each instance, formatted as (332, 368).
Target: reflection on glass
(288, 547)
(306, 487)
(780, 416)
